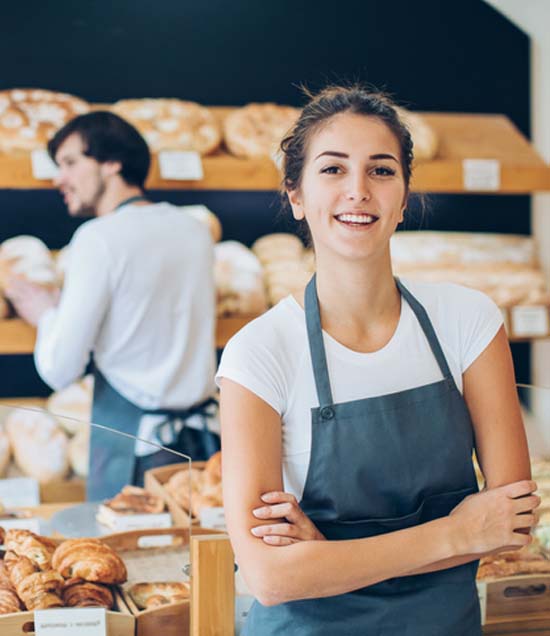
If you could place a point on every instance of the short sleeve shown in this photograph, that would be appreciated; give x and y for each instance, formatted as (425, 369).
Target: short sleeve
(481, 320)
(251, 359)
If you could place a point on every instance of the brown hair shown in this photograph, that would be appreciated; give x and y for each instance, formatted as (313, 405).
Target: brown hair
(333, 100)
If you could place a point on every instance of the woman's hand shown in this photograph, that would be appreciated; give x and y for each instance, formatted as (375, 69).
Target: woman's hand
(493, 520)
(290, 523)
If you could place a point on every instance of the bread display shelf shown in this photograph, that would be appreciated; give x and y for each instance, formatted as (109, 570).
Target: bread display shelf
(462, 136)
(17, 337)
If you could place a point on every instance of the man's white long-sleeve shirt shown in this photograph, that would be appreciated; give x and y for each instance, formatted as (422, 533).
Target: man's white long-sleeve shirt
(138, 294)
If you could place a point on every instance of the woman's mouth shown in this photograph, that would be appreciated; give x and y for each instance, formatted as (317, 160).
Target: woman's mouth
(356, 220)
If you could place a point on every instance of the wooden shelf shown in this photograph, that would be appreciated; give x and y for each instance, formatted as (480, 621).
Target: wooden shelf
(462, 136)
(16, 337)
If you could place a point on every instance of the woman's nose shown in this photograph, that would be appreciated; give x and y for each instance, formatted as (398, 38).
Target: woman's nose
(358, 189)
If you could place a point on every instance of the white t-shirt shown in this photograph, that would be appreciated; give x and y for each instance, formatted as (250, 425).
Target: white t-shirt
(138, 294)
(271, 358)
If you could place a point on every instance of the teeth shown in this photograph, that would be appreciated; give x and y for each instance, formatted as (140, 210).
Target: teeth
(356, 218)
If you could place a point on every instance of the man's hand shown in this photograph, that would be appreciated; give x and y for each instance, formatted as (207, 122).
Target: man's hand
(31, 301)
(291, 524)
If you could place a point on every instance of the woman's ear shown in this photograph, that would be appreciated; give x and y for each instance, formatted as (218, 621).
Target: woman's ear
(295, 200)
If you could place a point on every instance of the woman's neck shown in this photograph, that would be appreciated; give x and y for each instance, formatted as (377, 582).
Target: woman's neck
(359, 302)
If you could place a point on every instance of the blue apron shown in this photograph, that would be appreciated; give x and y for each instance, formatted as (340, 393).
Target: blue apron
(379, 465)
(112, 462)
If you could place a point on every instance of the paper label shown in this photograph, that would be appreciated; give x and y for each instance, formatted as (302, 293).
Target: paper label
(84, 621)
(123, 523)
(530, 321)
(213, 518)
(19, 492)
(180, 166)
(42, 165)
(31, 524)
(482, 594)
(481, 174)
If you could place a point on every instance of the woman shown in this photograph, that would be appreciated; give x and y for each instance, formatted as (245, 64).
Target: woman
(363, 399)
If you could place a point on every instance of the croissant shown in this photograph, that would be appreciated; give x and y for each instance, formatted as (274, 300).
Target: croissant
(5, 581)
(37, 590)
(36, 548)
(18, 567)
(45, 600)
(9, 602)
(79, 593)
(89, 559)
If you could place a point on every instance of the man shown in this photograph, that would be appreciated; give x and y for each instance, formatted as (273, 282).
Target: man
(138, 296)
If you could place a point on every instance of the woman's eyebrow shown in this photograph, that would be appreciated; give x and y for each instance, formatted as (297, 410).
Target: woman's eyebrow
(343, 155)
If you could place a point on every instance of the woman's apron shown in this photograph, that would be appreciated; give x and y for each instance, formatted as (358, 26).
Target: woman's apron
(378, 465)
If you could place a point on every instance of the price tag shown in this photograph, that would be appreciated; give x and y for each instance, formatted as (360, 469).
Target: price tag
(180, 166)
(482, 594)
(32, 524)
(43, 167)
(155, 541)
(481, 174)
(19, 492)
(530, 321)
(84, 621)
(213, 518)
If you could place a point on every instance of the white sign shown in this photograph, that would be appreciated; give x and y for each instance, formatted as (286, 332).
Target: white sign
(482, 594)
(155, 541)
(180, 166)
(481, 174)
(82, 621)
(530, 321)
(31, 523)
(43, 167)
(213, 518)
(19, 492)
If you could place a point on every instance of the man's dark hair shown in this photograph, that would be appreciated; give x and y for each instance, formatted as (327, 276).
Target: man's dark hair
(108, 137)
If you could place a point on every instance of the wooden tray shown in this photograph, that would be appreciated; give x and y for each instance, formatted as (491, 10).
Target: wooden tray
(154, 483)
(119, 622)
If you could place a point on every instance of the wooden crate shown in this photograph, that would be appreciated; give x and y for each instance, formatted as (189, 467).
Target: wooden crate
(154, 483)
(119, 622)
(175, 619)
(64, 491)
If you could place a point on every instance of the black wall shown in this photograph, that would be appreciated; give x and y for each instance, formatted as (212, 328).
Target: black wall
(430, 54)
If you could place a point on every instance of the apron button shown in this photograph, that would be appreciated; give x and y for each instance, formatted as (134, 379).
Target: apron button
(327, 412)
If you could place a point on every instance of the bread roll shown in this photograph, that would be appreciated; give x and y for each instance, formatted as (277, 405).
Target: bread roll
(204, 215)
(27, 257)
(148, 595)
(424, 137)
(40, 447)
(73, 405)
(5, 451)
(172, 124)
(79, 452)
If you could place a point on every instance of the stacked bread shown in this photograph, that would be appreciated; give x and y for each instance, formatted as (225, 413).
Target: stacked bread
(194, 489)
(285, 263)
(38, 574)
(30, 117)
(239, 280)
(256, 130)
(131, 500)
(503, 266)
(528, 560)
(172, 124)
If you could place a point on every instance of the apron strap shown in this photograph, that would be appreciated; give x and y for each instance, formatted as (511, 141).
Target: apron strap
(316, 344)
(427, 327)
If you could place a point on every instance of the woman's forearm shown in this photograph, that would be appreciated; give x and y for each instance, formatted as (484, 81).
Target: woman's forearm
(328, 568)
(445, 563)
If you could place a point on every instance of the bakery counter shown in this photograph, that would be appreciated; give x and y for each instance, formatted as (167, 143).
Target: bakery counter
(513, 166)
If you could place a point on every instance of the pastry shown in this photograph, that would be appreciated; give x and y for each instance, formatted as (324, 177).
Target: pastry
(213, 466)
(9, 601)
(172, 124)
(79, 451)
(256, 130)
(27, 257)
(133, 500)
(36, 589)
(89, 559)
(149, 595)
(203, 214)
(5, 451)
(29, 117)
(39, 446)
(79, 593)
(37, 549)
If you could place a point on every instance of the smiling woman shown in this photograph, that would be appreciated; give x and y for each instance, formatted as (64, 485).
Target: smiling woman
(363, 399)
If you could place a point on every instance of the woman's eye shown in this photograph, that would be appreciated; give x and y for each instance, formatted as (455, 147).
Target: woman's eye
(330, 170)
(383, 171)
